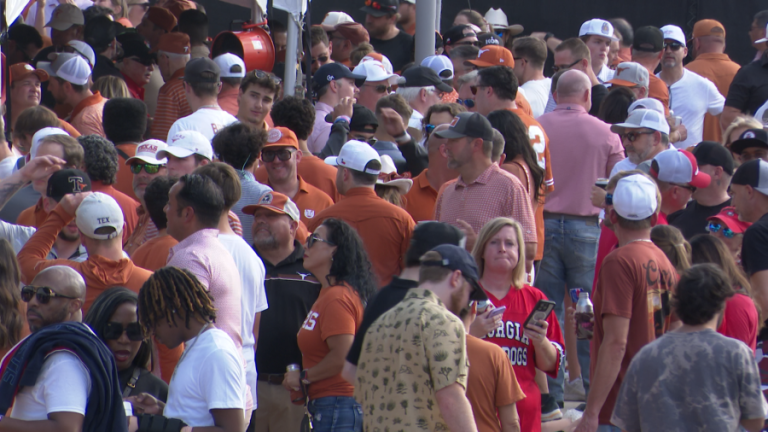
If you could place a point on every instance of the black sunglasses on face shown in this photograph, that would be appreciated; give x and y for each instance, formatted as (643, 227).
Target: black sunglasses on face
(149, 168)
(43, 294)
(113, 331)
(471, 43)
(381, 88)
(558, 68)
(283, 155)
(633, 136)
(322, 59)
(674, 46)
(314, 238)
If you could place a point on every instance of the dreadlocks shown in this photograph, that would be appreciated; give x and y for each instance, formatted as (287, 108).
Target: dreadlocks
(168, 292)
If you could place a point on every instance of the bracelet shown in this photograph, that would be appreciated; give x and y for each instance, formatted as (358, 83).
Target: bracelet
(403, 139)
(343, 117)
(304, 377)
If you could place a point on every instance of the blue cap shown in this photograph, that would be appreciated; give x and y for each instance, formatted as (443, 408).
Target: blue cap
(334, 71)
(457, 258)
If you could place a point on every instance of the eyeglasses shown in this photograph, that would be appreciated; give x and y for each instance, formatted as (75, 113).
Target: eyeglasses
(149, 168)
(314, 238)
(143, 61)
(381, 88)
(469, 103)
(283, 155)
(468, 43)
(473, 89)
(113, 331)
(609, 199)
(378, 6)
(260, 74)
(715, 227)
(633, 136)
(674, 46)
(371, 140)
(688, 187)
(429, 128)
(558, 68)
(321, 59)
(43, 294)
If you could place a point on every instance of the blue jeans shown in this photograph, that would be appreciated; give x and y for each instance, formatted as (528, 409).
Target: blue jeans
(608, 428)
(570, 250)
(336, 414)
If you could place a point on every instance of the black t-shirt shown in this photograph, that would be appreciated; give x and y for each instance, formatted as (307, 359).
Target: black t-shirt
(754, 252)
(599, 92)
(692, 219)
(385, 300)
(399, 49)
(147, 383)
(749, 88)
(291, 292)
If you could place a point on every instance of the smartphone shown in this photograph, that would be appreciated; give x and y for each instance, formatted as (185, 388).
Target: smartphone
(602, 183)
(540, 312)
(482, 305)
(498, 311)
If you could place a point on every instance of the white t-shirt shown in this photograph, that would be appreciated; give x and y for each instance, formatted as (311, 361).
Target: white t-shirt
(62, 386)
(207, 121)
(209, 376)
(606, 74)
(415, 120)
(760, 114)
(254, 299)
(622, 165)
(537, 92)
(690, 98)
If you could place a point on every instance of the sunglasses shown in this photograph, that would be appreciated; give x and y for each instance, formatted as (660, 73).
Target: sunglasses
(381, 88)
(148, 168)
(321, 59)
(473, 89)
(314, 238)
(468, 43)
(469, 103)
(558, 68)
(43, 294)
(143, 62)
(283, 155)
(688, 187)
(113, 331)
(633, 136)
(715, 227)
(609, 199)
(429, 128)
(674, 46)
(260, 74)
(371, 140)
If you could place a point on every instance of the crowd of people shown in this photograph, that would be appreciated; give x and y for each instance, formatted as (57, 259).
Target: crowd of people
(183, 247)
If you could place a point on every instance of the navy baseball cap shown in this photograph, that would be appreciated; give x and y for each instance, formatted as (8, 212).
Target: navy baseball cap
(334, 71)
(457, 258)
(750, 138)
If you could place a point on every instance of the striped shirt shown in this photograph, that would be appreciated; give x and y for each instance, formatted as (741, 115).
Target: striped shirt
(171, 105)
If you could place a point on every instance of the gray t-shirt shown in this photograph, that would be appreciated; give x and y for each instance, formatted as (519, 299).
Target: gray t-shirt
(700, 381)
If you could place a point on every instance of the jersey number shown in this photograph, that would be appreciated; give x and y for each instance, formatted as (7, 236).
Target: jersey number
(539, 144)
(311, 321)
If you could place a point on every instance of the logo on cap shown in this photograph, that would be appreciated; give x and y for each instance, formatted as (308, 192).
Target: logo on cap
(730, 213)
(147, 148)
(454, 121)
(479, 53)
(176, 137)
(330, 78)
(619, 70)
(186, 49)
(309, 214)
(77, 183)
(266, 199)
(604, 28)
(103, 220)
(28, 67)
(749, 134)
(274, 135)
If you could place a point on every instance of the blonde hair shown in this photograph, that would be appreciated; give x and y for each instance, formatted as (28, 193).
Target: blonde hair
(671, 241)
(390, 194)
(486, 233)
(111, 87)
(740, 121)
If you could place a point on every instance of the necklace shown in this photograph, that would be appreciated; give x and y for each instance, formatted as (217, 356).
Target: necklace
(188, 349)
(638, 240)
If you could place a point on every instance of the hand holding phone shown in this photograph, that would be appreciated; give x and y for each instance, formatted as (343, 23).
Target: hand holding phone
(540, 312)
(497, 311)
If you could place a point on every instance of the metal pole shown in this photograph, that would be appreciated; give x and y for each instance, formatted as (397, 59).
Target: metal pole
(308, 62)
(438, 13)
(425, 29)
(292, 44)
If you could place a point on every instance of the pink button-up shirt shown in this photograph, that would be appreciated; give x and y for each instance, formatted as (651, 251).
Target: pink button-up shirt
(582, 149)
(203, 254)
(493, 194)
(322, 129)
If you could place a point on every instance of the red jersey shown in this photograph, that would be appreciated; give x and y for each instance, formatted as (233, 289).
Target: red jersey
(740, 320)
(510, 337)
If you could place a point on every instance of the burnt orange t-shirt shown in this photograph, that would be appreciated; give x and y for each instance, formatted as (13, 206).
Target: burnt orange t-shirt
(337, 311)
(658, 90)
(491, 383)
(153, 254)
(69, 128)
(523, 104)
(719, 69)
(420, 200)
(385, 229)
(124, 175)
(313, 170)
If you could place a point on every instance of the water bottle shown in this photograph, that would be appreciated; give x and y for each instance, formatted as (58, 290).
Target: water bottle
(584, 315)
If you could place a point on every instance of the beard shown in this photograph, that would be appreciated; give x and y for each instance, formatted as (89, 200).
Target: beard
(457, 305)
(265, 241)
(69, 237)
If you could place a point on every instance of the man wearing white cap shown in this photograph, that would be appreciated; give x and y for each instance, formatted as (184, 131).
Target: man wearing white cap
(690, 95)
(70, 84)
(377, 83)
(637, 269)
(384, 228)
(232, 74)
(678, 176)
(598, 35)
(186, 151)
(644, 134)
(145, 166)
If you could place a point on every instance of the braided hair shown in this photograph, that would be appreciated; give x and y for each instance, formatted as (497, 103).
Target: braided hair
(171, 292)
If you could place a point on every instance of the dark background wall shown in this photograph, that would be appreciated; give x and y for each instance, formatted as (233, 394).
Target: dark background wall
(562, 17)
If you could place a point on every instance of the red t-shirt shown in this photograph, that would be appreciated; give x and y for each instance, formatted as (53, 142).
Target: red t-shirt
(510, 337)
(740, 320)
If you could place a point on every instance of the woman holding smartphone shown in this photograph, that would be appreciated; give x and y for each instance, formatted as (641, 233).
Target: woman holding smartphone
(500, 256)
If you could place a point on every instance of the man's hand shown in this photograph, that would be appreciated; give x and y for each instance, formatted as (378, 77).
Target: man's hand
(393, 123)
(144, 403)
(679, 134)
(598, 196)
(470, 233)
(41, 167)
(71, 202)
(343, 108)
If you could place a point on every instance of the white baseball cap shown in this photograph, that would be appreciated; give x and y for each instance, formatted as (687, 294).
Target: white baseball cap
(186, 143)
(643, 118)
(388, 171)
(647, 103)
(85, 50)
(678, 167)
(99, 210)
(380, 58)
(442, 65)
(147, 152)
(227, 62)
(635, 197)
(598, 27)
(333, 19)
(630, 74)
(374, 71)
(355, 155)
(674, 32)
(70, 67)
(38, 137)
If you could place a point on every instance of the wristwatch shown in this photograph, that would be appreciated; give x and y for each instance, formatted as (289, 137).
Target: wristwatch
(303, 377)
(548, 35)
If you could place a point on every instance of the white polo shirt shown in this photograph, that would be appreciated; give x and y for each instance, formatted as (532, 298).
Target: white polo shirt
(690, 98)
(207, 121)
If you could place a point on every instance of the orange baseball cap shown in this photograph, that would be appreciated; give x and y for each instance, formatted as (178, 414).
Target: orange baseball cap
(281, 137)
(708, 27)
(276, 202)
(176, 7)
(176, 43)
(161, 17)
(493, 55)
(19, 71)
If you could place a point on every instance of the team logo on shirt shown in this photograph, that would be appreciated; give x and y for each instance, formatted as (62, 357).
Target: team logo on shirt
(274, 135)
(309, 213)
(311, 321)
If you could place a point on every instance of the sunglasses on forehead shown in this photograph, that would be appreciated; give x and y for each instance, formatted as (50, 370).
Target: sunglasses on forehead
(114, 330)
(43, 294)
(260, 74)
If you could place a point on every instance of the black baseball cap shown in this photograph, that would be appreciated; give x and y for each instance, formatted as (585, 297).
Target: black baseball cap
(486, 39)
(135, 46)
(429, 234)
(363, 119)
(753, 173)
(457, 258)
(67, 181)
(202, 70)
(380, 8)
(422, 76)
(334, 71)
(468, 124)
(715, 154)
(648, 39)
(457, 33)
(750, 138)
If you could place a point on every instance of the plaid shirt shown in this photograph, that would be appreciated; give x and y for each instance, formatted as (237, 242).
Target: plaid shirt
(493, 194)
